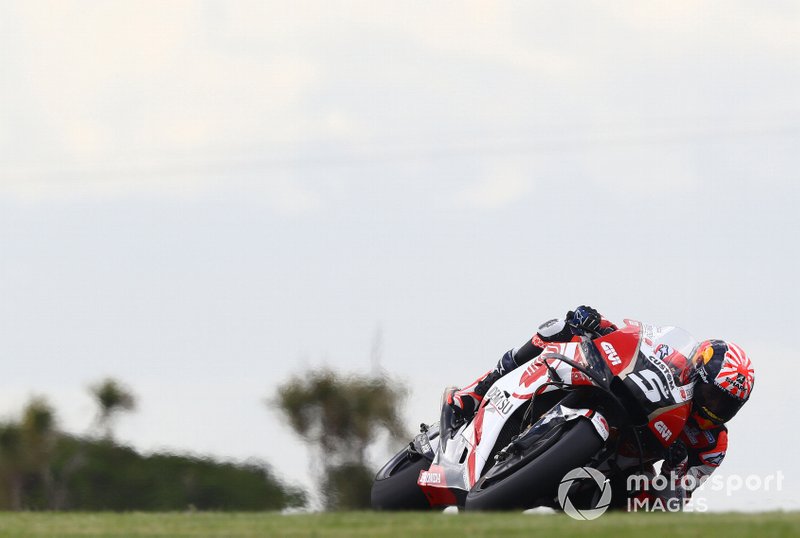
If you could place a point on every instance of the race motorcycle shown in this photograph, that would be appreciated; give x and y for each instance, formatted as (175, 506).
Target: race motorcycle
(613, 402)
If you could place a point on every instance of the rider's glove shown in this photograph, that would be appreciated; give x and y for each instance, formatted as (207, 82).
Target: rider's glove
(677, 459)
(674, 469)
(585, 318)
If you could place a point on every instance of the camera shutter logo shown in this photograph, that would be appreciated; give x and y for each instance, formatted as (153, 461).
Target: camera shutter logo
(582, 473)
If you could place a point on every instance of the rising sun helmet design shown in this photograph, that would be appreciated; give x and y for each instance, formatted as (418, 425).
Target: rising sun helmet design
(723, 381)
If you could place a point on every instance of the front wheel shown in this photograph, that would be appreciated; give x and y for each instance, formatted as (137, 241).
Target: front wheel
(539, 478)
(395, 486)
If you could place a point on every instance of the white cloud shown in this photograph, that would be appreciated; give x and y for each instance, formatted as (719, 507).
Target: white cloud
(487, 32)
(641, 170)
(290, 197)
(741, 26)
(110, 96)
(283, 194)
(93, 86)
(503, 186)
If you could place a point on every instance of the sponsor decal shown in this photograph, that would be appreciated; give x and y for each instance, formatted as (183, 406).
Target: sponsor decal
(692, 433)
(663, 351)
(425, 444)
(601, 425)
(579, 378)
(429, 477)
(664, 369)
(549, 323)
(533, 371)
(736, 373)
(611, 353)
(713, 458)
(500, 400)
(703, 374)
(663, 430)
(551, 348)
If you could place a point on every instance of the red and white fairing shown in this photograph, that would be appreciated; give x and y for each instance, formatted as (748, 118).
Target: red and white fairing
(665, 382)
(460, 464)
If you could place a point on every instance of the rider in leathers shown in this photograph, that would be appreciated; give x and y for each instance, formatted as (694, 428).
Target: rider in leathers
(723, 380)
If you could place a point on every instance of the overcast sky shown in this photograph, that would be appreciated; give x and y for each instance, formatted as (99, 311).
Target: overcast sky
(204, 198)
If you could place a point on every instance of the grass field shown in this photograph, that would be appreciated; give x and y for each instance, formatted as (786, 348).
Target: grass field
(415, 525)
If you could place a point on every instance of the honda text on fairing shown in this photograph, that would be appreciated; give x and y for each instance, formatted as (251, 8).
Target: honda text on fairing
(614, 403)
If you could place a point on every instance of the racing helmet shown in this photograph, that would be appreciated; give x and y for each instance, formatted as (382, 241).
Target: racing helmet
(723, 380)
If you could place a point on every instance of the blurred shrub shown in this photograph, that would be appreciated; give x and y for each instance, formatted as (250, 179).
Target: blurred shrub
(347, 487)
(113, 477)
(42, 468)
(340, 417)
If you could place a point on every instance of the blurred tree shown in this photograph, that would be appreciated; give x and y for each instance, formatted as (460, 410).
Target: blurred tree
(42, 468)
(11, 466)
(112, 399)
(347, 486)
(38, 439)
(26, 454)
(339, 418)
(114, 477)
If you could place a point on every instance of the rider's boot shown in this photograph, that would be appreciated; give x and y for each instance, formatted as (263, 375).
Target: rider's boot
(466, 401)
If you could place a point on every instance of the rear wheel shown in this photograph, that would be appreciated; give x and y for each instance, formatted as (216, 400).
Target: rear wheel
(395, 486)
(522, 483)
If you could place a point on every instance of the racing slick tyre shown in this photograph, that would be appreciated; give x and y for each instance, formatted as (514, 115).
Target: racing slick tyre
(532, 481)
(395, 486)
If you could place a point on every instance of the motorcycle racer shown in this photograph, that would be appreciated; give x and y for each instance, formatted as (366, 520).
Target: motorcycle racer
(582, 320)
(723, 379)
(723, 382)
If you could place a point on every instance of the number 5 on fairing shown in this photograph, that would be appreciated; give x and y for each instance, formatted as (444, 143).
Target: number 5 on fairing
(651, 385)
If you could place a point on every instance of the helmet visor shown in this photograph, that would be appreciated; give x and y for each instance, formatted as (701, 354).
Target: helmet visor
(715, 403)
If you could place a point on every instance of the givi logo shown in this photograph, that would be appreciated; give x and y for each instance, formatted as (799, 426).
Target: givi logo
(663, 429)
(611, 353)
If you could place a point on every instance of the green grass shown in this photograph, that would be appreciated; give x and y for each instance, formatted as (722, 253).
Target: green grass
(414, 525)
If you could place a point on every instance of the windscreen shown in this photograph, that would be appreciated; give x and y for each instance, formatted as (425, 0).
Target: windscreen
(674, 346)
